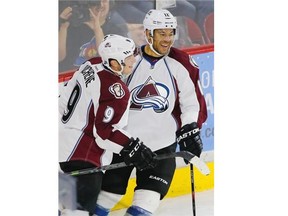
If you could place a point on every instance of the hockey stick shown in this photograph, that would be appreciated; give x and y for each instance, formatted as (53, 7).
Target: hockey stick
(191, 158)
(193, 189)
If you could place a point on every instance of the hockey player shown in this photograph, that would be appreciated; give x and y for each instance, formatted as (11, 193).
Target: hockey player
(167, 105)
(93, 110)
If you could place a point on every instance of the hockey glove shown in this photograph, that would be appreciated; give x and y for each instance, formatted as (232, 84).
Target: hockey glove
(188, 138)
(139, 155)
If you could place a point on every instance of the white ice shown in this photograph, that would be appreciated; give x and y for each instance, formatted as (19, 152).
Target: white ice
(182, 205)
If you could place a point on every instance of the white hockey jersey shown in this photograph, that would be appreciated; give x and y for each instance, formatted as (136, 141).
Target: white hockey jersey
(163, 99)
(93, 109)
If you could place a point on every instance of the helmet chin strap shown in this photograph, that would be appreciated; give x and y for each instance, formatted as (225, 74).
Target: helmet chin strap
(152, 48)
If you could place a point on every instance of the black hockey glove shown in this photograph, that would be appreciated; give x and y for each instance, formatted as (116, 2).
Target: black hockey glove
(188, 138)
(139, 155)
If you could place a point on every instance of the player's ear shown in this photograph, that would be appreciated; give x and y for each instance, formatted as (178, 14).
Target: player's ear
(148, 35)
(113, 63)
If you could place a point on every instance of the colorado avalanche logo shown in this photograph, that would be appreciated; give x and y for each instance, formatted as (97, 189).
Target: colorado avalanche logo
(150, 95)
(117, 90)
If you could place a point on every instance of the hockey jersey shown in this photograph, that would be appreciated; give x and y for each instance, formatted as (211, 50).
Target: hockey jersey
(93, 109)
(165, 95)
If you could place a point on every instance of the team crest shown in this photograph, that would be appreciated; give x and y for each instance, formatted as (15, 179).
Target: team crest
(117, 90)
(150, 95)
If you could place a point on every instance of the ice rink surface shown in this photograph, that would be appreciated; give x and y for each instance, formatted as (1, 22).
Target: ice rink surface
(182, 205)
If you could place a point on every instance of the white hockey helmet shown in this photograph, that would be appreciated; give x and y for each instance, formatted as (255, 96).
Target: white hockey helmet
(159, 19)
(116, 47)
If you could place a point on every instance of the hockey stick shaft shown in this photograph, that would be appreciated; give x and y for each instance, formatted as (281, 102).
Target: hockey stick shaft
(184, 154)
(193, 189)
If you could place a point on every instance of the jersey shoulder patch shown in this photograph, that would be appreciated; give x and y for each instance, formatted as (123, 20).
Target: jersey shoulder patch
(117, 90)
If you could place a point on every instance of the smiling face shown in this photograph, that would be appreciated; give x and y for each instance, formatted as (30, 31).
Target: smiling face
(162, 40)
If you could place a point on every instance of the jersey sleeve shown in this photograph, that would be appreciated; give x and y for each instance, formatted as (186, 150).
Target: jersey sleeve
(111, 113)
(193, 72)
(194, 76)
(114, 137)
(188, 101)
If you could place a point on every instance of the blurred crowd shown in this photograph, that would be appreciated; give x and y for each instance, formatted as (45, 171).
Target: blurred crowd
(83, 24)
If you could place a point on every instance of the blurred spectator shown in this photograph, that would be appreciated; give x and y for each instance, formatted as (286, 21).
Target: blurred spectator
(82, 26)
(192, 26)
(204, 8)
(81, 31)
(184, 8)
(134, 12)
